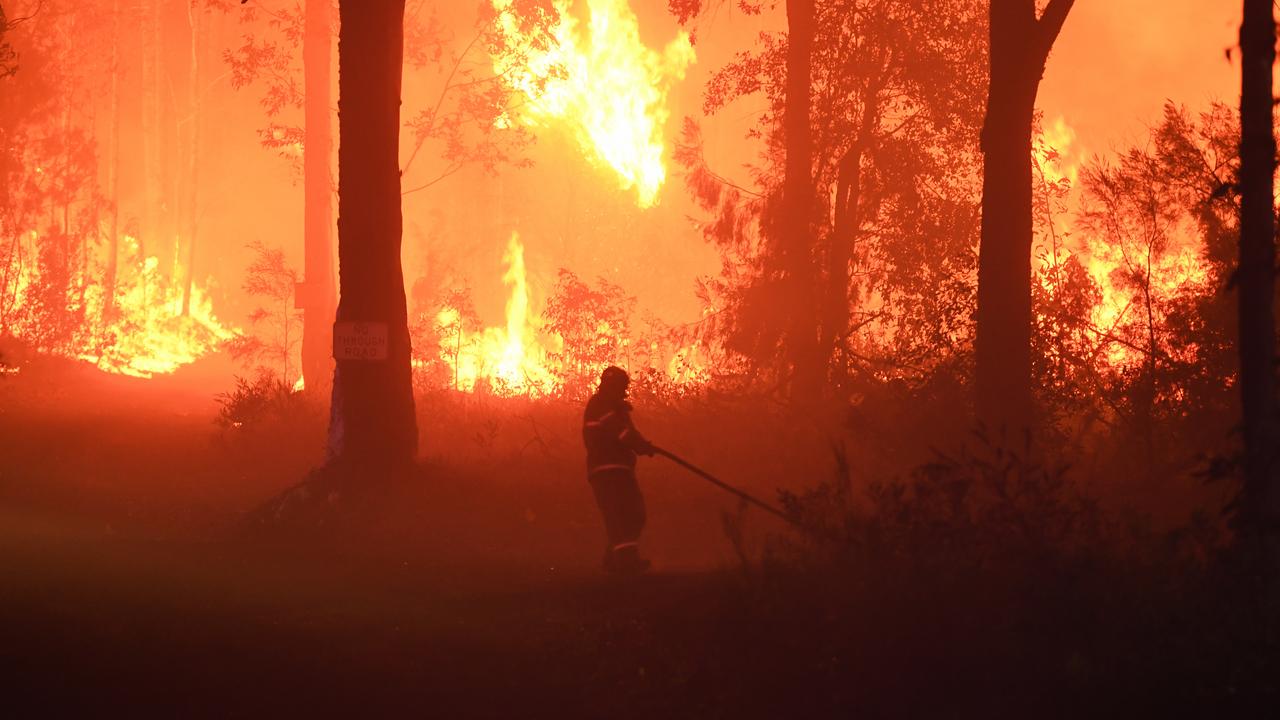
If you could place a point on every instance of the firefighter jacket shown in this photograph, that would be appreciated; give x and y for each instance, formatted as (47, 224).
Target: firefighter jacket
(611, 439)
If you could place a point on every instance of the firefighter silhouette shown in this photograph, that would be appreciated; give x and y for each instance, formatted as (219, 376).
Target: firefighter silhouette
(612, 446)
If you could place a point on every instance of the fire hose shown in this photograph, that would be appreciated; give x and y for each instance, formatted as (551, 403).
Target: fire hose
(725, 486)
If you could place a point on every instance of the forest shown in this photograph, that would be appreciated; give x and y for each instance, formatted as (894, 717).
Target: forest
(904, 358)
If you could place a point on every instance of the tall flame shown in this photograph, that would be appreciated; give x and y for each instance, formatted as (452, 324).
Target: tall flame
(606, 86)
(149, 334)
(509, 359)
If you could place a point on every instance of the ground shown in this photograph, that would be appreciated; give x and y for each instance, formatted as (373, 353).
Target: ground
(131, 579)
(135, 582)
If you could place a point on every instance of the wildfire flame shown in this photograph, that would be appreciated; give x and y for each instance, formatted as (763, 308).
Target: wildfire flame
(522, 358)
(605, 85)
(146, 333)
(511, 359)
(1182, 266)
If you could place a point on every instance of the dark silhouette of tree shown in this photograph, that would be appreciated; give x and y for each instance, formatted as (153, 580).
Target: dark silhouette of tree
(1255, 275)
(1021, 40)
(895, 98)
(793, 235)
(372, 425)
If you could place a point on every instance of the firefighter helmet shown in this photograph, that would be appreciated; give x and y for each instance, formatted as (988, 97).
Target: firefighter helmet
(614, 377)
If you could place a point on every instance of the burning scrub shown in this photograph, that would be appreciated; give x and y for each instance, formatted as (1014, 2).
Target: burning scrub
(612, 446)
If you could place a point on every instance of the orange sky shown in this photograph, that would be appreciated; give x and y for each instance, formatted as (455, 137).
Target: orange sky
(1117, 61)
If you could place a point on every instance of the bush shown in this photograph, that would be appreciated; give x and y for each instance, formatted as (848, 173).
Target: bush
(1015, 593)
(255, 402)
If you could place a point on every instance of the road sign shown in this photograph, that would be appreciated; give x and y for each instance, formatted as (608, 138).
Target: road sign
(359, 341)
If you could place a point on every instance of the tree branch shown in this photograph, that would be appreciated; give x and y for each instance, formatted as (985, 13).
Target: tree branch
(450, 171)
(1051, 21)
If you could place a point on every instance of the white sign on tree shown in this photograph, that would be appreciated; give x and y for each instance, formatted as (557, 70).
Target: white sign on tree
(359, 341)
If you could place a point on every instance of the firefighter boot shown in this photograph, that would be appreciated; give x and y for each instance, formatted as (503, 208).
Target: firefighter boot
(627, 560)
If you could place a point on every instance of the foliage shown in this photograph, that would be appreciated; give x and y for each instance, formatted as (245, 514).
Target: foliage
(896, 98)
(469, 121)
(50, 200)
(1156, 232)
(254, 401)
(982, 505)
(594, 325)
(442, 331)
(272, 280)
(460, 128)
(270, 427)
(1000, 575)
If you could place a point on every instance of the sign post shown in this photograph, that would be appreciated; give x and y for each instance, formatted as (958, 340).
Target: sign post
(359, 340)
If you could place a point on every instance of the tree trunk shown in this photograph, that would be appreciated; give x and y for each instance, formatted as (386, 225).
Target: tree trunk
(152, 135)
(317, 299)
(796, 239)
(194, 120)
(1255, 276)
(1020, 44)
(845, 226)
(372, 425)
(113, 180)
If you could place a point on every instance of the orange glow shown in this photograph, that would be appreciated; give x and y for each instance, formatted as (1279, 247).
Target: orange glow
(508, 360)
(522, 358)
(605, 86)
(147, 334)
(1181, 266)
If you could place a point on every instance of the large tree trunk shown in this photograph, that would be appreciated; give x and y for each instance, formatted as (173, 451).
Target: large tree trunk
(1020, 44)
(801, 337)
(372, 425)
(317, 297)
(1255, 276)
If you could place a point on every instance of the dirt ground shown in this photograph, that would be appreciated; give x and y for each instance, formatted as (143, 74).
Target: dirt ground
(130, 582)
(133, 584)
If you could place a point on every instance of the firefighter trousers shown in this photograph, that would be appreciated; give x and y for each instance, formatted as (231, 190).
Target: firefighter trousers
(621, 504)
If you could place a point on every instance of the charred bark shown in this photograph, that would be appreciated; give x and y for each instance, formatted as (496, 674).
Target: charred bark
(1255, 276)
(372, 425)
(1020, 44)
(317, 298)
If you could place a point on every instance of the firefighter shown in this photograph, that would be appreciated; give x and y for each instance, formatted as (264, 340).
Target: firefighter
(612, 445)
